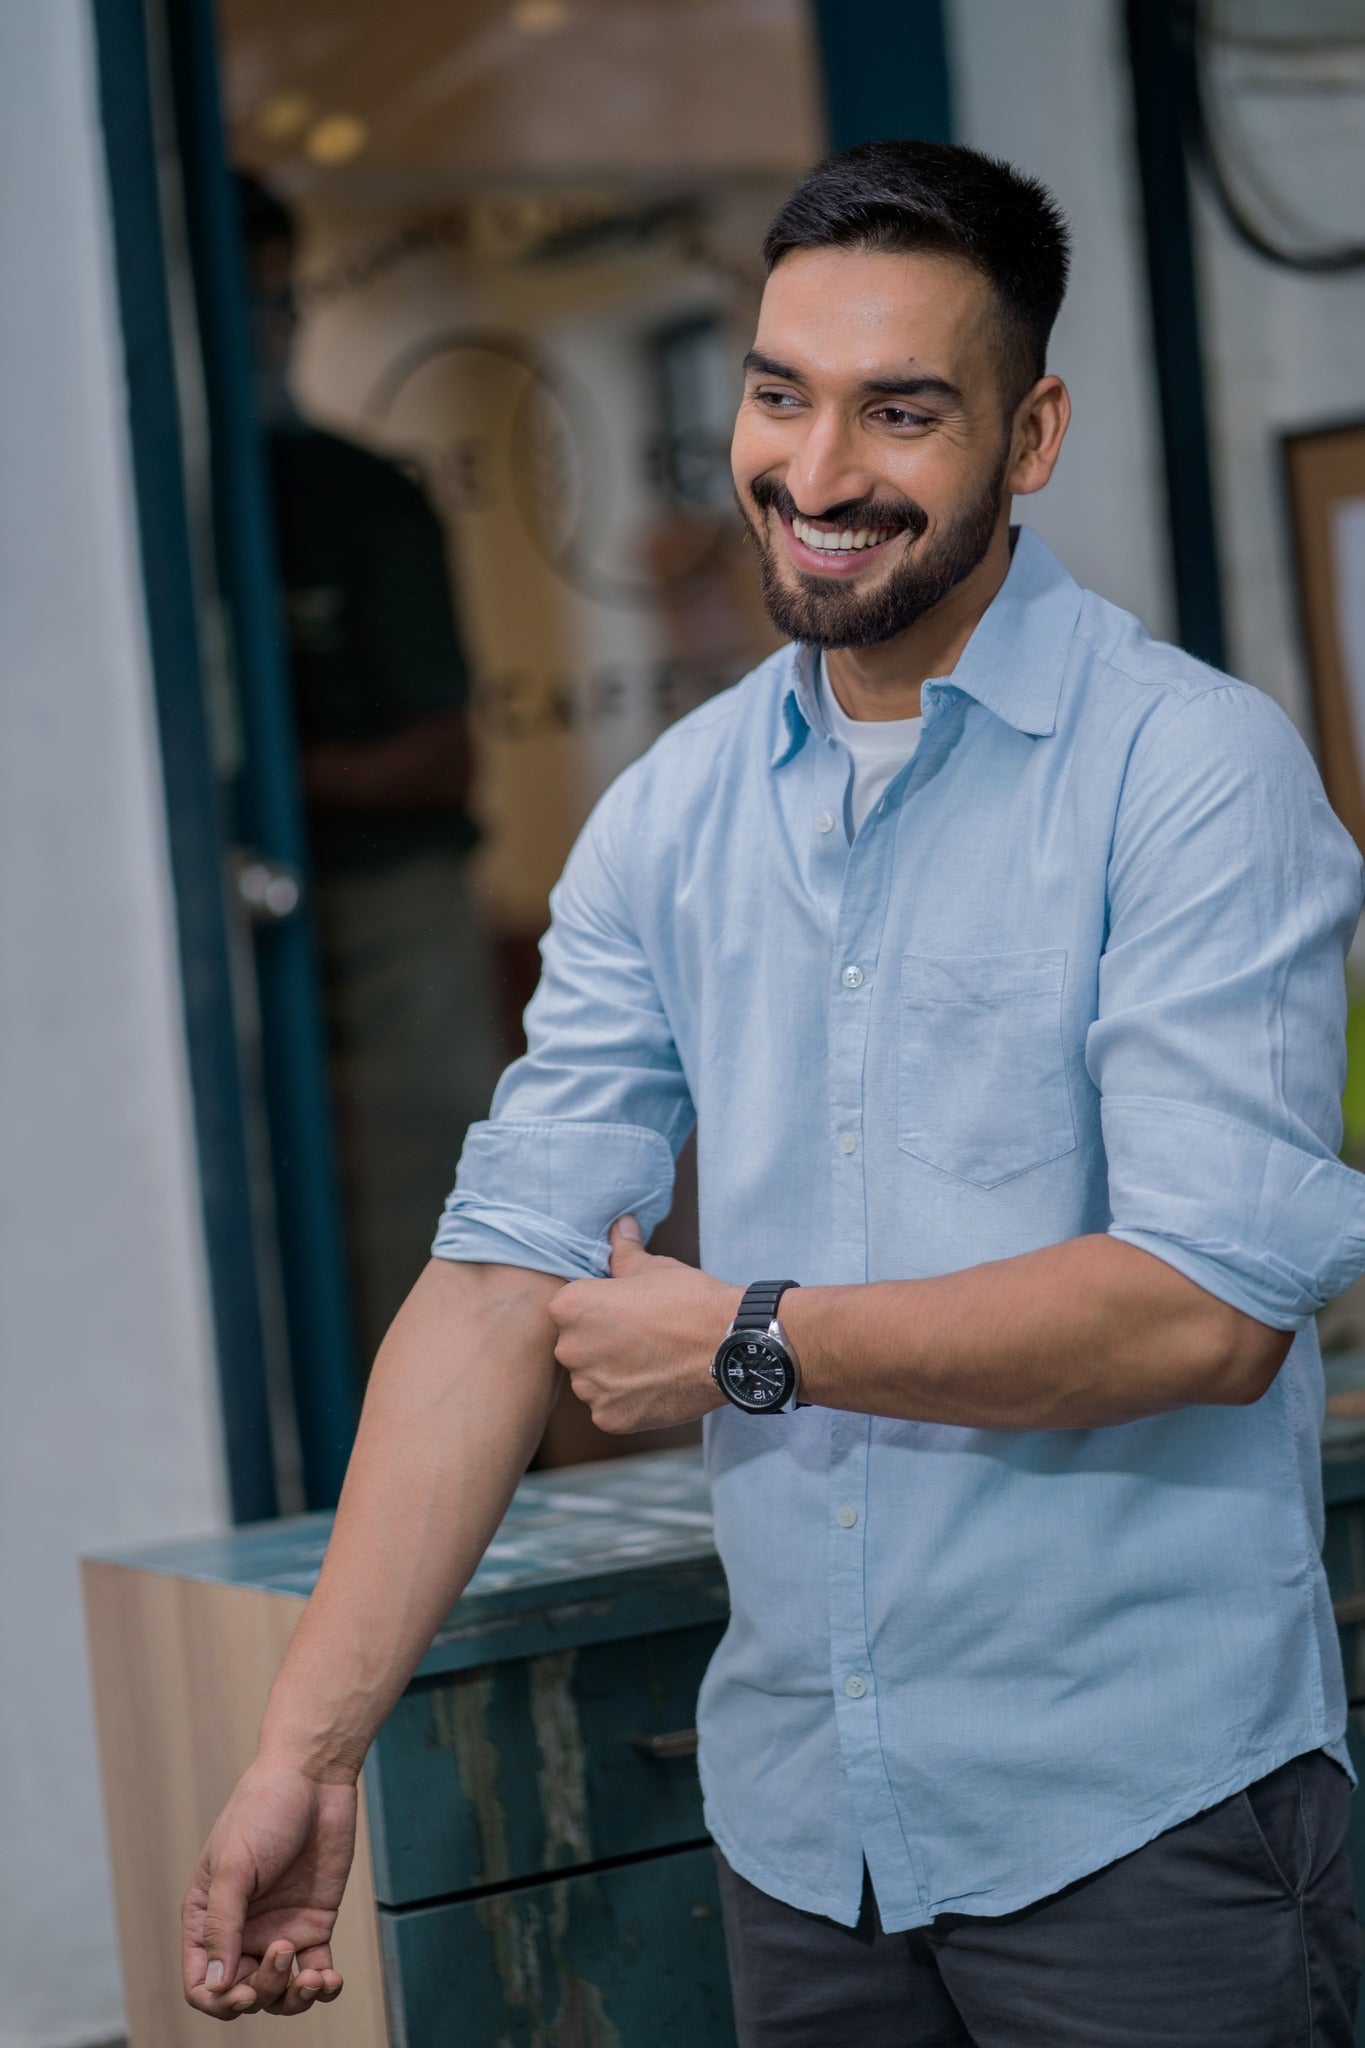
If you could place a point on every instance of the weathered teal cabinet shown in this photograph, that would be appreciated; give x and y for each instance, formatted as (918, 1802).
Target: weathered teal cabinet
(540, 1859)
(534, 1872)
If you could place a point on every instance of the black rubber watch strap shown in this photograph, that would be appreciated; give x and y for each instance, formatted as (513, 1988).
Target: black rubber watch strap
(759, 1305)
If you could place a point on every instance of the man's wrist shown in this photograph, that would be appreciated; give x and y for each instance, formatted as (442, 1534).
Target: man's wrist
(322, 1766)
(805, 1316)
(326, 1756)
(731, 1298)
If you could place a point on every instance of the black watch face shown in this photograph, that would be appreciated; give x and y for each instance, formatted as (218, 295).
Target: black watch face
(755, 1372)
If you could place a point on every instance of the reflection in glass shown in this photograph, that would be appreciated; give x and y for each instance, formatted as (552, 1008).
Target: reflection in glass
(528, 286)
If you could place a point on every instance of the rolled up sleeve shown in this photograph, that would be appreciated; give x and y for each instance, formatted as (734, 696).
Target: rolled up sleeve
(586, 1125)
(1218, 1046)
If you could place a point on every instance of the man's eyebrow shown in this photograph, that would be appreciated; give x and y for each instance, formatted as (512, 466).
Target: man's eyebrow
(756, 360)
(911, 385)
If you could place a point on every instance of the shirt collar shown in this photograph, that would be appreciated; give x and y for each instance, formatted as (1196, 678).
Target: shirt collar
(1013, 664)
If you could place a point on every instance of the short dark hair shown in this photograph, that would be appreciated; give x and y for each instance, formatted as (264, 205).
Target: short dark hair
(941, 197)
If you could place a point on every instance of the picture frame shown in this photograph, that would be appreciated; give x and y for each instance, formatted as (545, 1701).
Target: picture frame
(1325, 482)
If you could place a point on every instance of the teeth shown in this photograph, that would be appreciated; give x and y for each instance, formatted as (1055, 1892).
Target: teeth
(837, 543)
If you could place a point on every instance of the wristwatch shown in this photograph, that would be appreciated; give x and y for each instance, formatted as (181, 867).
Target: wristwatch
(755, 1366)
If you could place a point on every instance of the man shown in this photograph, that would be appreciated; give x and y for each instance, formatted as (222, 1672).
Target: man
(380, 690)
(1022, 1053)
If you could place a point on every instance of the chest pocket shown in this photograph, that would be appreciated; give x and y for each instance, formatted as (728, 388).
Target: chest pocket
(982, 1089)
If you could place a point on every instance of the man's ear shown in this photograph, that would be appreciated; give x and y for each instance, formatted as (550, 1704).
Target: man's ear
(1039, 430)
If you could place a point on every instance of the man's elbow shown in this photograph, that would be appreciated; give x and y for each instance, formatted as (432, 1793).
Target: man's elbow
(1246, 1355)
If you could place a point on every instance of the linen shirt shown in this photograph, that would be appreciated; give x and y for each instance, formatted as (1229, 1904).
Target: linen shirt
(1080, 971)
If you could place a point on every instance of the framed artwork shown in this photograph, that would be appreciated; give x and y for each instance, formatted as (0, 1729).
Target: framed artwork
(1325, 469)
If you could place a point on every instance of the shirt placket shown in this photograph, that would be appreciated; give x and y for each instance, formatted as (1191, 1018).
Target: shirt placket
(854, 969)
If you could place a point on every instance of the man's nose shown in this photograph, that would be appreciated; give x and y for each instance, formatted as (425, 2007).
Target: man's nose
(825, 469)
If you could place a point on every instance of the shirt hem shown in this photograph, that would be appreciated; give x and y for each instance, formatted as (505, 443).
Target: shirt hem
(992, 1905)
(797, 1895)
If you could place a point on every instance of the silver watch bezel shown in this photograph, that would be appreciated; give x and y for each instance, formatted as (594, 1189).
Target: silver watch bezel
(774, 1334)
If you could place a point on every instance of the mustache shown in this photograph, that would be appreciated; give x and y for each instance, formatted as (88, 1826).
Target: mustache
(895, 514)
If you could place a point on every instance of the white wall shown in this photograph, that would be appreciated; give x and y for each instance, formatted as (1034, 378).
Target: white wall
(1048, 88)
(1284, 351)
(109, 1432)
(1281, 350)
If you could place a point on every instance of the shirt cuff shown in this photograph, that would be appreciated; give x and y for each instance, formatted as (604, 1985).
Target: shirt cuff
(1266, 1226)
(544, 1193)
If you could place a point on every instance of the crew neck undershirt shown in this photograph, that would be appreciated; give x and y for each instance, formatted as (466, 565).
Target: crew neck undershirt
(880, 747)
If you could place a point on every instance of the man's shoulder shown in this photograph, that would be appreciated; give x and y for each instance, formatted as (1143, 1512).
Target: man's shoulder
(1192, 748)
(1171, 695)
(735, 728)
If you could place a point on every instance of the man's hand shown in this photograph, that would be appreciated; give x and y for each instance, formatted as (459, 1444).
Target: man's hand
(265, 1894)
(638, 1347)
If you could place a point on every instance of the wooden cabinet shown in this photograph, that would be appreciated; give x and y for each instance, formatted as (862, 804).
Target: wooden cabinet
(532, 1865)
(627, 1954)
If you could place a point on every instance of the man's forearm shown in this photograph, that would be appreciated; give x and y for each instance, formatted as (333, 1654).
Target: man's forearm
(1074, 1336)
(454, 1409)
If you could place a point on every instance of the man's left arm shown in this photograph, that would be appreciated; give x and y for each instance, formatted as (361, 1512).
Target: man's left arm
(1218, 1051)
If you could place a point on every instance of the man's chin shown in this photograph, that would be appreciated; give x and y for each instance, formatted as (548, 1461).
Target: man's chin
(826, 611)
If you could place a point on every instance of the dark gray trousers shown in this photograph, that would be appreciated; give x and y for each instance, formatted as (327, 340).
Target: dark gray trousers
(1236, 1929)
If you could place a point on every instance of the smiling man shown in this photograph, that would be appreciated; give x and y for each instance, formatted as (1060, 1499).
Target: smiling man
(996, 952)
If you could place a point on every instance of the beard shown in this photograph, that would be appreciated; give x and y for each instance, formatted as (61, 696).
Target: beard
(827, 613)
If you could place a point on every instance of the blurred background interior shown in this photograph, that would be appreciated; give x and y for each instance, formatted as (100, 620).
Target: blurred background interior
(366, 509)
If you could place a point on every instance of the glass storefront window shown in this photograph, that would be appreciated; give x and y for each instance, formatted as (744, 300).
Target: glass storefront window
(498, 315)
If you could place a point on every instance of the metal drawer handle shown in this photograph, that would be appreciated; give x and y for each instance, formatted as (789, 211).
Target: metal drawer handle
(678, 1742)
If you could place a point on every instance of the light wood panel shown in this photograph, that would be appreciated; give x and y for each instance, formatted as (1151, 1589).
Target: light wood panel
(180, 1670)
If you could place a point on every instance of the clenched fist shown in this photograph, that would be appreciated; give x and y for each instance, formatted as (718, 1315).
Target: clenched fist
(638, 1347)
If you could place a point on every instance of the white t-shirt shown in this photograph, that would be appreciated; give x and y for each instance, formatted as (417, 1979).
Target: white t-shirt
(879, 746)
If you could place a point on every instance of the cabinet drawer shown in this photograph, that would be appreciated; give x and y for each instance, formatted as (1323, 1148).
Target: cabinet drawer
(606, 1959)
(510, 1770)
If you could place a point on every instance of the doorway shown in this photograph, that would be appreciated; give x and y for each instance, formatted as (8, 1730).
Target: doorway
(495, 268)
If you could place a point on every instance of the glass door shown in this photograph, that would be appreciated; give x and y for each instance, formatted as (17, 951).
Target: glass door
(497, 267)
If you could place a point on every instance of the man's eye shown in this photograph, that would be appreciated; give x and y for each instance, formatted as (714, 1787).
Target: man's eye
(777, 399)
(900, 416)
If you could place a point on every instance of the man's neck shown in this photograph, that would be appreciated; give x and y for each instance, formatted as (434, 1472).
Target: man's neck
(884, 681)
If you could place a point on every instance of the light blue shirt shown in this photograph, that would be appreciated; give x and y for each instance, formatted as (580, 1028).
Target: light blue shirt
(1080, 970)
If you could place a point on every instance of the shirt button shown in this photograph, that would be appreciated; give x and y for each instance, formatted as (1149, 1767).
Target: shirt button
(855, 1686)
(852, 977)
(848, 1141)
(824, 821)
(846, 1517)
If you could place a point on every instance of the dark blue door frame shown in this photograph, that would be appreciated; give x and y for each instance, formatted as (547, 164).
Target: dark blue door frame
(1161, 54)
(293, 1049)
(884, 68)
(304, 1216)
(194, 825)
